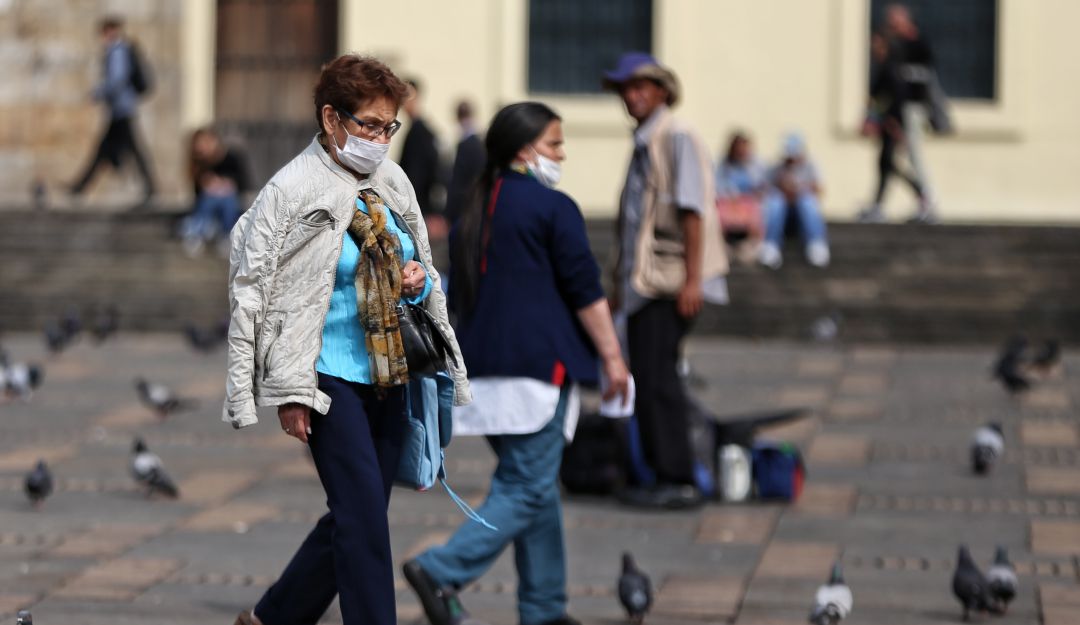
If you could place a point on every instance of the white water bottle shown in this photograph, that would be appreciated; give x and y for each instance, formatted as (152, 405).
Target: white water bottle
(734, 473)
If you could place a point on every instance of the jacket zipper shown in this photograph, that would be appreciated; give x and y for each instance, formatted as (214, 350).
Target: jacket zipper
(326, 310)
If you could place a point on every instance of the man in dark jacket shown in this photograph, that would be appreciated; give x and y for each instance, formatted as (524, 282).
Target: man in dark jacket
(420, 154)
(117, 91)
(468, 162)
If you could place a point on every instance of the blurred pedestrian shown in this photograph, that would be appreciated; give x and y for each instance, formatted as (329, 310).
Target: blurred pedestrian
(124, 78)
(795, 193)
(532, 318)
(420, 153)
(219, 177)
(884, 121)
(468, 162)
(670, 257)
(905, 88)
(331, 246)
(740, 185)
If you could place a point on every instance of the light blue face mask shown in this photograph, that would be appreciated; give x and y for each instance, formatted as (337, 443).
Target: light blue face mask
(546, 170)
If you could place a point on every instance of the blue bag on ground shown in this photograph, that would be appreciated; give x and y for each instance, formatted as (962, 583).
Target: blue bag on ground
(778, 470)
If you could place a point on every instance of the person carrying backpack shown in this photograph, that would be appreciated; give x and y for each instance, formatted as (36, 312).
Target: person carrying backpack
(125, 78)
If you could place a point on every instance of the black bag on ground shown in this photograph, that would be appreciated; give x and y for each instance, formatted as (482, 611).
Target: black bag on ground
(425, 346)
(592, 463)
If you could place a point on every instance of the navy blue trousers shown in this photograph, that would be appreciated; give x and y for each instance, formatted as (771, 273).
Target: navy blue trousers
(356, 447)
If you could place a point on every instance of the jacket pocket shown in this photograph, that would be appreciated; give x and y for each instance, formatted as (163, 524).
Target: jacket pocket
(304, 230)
(270, 345)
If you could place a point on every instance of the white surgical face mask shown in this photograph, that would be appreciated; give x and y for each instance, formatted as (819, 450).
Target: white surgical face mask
(546, 170)
(361, 155)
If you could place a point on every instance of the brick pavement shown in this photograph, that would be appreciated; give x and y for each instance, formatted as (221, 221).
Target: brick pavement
(889, 488)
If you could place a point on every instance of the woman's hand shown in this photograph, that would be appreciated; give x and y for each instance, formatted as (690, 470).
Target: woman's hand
(413, 278)
(618, 379)
(295, 420)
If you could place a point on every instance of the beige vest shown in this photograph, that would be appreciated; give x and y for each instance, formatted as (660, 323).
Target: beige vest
(659, 261)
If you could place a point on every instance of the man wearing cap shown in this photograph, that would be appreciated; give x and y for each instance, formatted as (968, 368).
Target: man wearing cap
(669, 259)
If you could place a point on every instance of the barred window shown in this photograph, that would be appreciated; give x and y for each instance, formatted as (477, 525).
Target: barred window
(963, 37)
(572, 42)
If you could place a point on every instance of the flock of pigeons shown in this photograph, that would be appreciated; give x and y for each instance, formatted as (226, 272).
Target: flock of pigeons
(1018, 367)
(19, 380)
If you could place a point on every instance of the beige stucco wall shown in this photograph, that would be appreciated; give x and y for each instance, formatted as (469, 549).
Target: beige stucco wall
(50, 52)
(763, 66)
(769, 67)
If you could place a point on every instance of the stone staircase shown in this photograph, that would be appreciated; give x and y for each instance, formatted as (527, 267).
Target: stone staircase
(900, 283)
(909, 283)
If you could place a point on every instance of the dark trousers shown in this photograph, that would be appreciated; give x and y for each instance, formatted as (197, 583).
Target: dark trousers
(356, 447)
(118, 141)
(654, 334)
(887, 167)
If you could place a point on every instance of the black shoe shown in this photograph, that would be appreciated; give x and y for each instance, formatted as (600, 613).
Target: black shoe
(566, 619)
(441, 605)
(663, 496)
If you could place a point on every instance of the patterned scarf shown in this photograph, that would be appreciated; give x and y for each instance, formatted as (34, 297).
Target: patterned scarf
(378, 290)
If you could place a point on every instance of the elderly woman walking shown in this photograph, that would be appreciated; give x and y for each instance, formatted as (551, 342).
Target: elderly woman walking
(534, 323)
(332, 245)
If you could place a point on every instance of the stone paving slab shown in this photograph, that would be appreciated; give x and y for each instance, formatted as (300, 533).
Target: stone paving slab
(889, 488)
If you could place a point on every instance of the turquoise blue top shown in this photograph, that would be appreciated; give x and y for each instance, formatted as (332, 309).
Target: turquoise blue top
(344, 351)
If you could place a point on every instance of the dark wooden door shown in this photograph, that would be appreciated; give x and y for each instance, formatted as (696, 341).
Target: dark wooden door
(268, 57)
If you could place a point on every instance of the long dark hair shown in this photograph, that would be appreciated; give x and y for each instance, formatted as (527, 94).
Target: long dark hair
(514, 127)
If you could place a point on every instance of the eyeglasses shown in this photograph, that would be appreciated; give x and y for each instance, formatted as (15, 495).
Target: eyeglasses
(373, 131)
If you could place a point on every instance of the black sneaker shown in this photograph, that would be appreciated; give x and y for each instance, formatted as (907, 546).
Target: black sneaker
(441, 605)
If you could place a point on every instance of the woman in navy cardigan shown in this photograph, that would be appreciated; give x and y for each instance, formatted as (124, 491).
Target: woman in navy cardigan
(533, 324)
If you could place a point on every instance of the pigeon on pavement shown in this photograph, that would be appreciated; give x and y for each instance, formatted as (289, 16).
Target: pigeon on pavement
(160, 398)
(38, 484)
(18, 380)
(206, 339)
(1002, 578)
(1009, 366)
(106, 324)
(24, 618)
(56, 339)
(970, 585)
(635, 590)
(987, 447)
(149, 472)
(833, 600)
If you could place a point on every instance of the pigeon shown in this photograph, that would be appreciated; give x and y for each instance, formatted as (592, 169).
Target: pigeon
(833, 600)
(1046, 361)
(1002, 578)
(71, 323)
(206, 339)
(150, 473)
(19, 380)
(1008, 368)
(106, 324)
(987, 446)
(24, 618)
(826, 328)
(38, 484)
(160, 398)
(970, 585)
(635, 590)
(56, 339)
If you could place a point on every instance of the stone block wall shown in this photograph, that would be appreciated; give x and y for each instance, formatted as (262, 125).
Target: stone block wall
(51, 55)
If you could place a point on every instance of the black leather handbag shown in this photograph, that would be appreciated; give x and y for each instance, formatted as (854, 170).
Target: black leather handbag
(426, 348)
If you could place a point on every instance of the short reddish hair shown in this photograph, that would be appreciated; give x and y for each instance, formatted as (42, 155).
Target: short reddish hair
(351, 81)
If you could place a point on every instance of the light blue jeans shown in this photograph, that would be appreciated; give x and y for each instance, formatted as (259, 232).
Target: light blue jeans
(213, 215)
(806, 210)
(524, 505)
